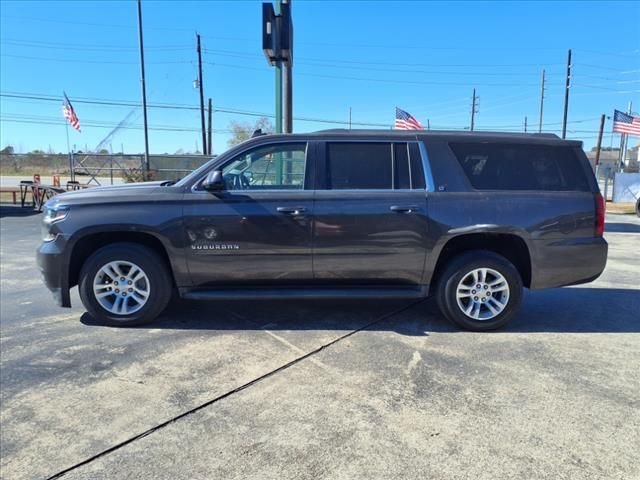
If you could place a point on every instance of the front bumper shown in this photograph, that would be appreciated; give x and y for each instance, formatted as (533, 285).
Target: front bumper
(558, 263)
(54, 268)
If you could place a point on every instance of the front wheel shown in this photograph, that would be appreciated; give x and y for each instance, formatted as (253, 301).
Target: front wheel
(124, 284)
(480, 290)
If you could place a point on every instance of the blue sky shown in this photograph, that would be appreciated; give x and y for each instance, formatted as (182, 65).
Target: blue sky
(425, 57)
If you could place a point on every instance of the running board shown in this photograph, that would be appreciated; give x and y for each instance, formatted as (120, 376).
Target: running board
(418, 291)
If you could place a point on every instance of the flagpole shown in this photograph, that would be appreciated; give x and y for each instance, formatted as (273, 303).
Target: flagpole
(620, 150)
(626, 141)
(71, 175)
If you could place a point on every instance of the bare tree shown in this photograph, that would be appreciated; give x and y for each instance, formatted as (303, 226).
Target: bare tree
(241, 131)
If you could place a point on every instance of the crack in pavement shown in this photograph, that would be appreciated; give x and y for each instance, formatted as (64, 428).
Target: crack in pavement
(229, 393)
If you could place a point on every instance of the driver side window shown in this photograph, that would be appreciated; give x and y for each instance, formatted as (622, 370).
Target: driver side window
(271, 167)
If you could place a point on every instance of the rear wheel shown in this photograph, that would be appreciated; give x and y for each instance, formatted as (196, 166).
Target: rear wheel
(124, 284)
(480, 290)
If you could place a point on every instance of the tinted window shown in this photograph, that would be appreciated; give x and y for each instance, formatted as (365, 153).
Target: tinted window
(520, 167)
(358, 165)
(401, 175)
(279, 166)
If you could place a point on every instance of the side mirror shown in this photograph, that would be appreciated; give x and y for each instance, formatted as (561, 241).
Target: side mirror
(214, 182)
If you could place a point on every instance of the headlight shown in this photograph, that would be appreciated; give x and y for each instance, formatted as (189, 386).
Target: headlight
(55, 214)
(52, 215)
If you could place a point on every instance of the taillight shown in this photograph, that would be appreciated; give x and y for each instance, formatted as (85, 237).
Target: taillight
(600, 206)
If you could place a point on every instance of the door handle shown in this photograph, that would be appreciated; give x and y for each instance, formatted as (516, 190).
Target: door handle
(294, 211)
(404, 208)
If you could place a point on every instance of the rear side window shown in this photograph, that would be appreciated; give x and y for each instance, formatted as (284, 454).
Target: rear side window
(359, 165)
(521, 167)
(373, 166)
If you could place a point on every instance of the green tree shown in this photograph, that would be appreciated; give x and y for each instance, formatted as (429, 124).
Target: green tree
(241, 131)
(8, 150)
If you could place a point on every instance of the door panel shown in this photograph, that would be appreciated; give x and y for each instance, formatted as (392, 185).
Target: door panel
(241, 237)
(359, 239)
(370, 227)
(258, 230)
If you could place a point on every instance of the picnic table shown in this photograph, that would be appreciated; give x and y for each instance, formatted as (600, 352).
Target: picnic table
(12, 190)
(39, 193)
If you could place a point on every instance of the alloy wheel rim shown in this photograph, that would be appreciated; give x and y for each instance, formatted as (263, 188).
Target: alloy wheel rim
(482, 294)
(121, 287)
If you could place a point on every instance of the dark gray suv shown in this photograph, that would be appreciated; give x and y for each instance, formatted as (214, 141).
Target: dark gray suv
(471, 218)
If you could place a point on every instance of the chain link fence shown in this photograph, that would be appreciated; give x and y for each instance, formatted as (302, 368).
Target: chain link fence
(131, 168)
(100, 169)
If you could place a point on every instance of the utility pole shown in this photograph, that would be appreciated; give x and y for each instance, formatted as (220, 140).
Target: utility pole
(541, 103)
(428, 125)
(525, 124)
(473, 109)
(144, 90)
(204, 132)
(597, 162)
(349, 118)
(287, 79)
(566, 97)
(210, 136)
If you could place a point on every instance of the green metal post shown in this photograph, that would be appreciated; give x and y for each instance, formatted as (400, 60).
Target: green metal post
(278, 97)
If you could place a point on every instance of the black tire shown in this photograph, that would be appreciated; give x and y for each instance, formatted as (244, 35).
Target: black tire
(160, 285)
(457, 269)
(638, 207)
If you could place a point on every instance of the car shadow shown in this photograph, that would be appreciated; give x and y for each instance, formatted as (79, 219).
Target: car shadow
(569, 310)
(17, 211)
(619, 227)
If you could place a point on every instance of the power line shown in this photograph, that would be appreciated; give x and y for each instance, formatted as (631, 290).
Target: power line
(380, 62)
(126, 103)
(240, 54)
(95, 101)
(599, 67)
(234, 111)
(95, 124)
(317, 75)
(311, 62)
(89, 47)
(630, 54)
(378, 80)
(91, 24)
(333, 63)
(107, 62)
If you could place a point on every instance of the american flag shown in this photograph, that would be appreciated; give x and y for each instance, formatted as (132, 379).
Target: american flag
(625, 123)
(405, 121)
(69, 113)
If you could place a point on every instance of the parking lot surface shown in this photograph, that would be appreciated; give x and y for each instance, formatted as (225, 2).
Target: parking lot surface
(331, 389)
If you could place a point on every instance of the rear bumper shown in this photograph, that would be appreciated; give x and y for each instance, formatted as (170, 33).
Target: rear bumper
(558, 263)
(53, 266)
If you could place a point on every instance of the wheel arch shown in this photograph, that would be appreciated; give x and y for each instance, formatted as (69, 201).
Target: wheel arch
(509, 245)
(89, 243)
